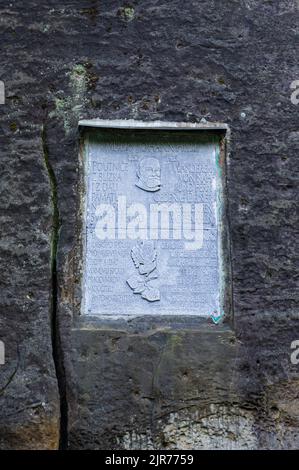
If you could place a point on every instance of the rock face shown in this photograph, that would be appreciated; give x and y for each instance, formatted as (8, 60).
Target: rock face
(147, 384)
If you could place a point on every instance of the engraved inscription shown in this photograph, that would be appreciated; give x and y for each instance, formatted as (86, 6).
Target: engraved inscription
(152, 226)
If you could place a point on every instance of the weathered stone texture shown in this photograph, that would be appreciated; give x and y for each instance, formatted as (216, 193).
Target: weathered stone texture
(148, 384)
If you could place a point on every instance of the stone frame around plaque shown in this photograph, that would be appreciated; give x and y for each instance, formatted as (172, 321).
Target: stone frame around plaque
(206, 131)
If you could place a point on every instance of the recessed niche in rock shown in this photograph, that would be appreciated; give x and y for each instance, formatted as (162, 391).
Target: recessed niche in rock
(153, 223)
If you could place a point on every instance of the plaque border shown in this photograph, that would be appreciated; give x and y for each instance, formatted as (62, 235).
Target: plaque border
(222, 131)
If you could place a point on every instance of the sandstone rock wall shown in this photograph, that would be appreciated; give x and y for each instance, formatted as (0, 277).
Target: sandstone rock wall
(143, 385)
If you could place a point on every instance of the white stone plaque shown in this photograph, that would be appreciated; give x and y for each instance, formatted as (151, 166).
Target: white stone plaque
(152, 243)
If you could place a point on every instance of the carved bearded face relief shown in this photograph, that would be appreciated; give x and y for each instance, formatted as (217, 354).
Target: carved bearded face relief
(149, 174)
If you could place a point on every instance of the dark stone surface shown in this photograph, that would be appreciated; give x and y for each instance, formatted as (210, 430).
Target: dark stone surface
(150, 385)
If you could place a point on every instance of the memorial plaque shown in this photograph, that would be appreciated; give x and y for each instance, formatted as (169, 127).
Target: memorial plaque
(152, 244)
